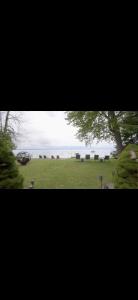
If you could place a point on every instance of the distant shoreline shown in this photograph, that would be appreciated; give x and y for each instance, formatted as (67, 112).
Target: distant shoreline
(69, 152)
(66, 148)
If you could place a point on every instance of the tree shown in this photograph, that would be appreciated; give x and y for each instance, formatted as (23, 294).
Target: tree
(9, 123)
(130, 127)
(9, 174)
(100, 125)
(127, 168)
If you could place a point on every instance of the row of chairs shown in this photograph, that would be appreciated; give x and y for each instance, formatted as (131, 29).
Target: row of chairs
(52, 157)
(96, 157)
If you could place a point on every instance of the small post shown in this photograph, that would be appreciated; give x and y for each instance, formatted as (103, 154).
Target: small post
(113, 173)
(32, 184)
(101, 181)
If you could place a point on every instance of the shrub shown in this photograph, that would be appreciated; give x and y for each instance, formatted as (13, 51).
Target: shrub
(9, 174)
(127, 169)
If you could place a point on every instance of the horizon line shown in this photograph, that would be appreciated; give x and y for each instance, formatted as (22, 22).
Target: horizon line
(26, 148)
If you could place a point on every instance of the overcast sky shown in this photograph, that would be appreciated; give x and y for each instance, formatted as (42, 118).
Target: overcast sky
(41, 129)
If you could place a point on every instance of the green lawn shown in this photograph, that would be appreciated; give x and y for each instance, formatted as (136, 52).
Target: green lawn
(67, 174)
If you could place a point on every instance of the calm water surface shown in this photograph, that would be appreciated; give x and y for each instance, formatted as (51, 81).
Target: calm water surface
(68, 153)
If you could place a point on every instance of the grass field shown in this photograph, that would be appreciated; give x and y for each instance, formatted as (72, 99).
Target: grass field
(67, 174)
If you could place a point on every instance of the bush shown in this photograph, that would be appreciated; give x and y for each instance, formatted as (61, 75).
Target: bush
(127, 169)
(9, 174)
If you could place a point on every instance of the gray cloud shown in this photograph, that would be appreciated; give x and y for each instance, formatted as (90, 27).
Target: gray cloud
(46, 128)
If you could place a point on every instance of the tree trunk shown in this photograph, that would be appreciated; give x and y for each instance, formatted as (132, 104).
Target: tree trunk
(118, 140)
(6, 121)
(115, 130)
(0, 121)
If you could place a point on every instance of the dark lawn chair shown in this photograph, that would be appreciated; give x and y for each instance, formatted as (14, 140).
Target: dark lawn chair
(96, 157)
(88, 157)
(107, 157)
(78, 156)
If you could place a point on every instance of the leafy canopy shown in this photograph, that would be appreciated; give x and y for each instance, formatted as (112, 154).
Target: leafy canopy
(100, 125)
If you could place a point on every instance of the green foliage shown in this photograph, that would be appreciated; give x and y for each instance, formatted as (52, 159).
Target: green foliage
(9, 174)
(130, 126)
(127, 169)
(90, 124)
(118, 126)
(100, 125)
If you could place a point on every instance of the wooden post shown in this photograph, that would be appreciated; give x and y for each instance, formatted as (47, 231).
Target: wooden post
(32, 184)
(101, 181)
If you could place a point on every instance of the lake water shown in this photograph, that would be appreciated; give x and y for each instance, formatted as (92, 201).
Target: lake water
(67, 152)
